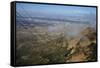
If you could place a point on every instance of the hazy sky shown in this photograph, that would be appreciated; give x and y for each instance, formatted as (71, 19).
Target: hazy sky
(56, 9)
(73, 12)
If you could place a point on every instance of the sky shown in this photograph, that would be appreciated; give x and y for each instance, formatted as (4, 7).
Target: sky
(73, 12)
(56, 9)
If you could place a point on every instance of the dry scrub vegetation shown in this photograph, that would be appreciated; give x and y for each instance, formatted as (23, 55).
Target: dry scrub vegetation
(38, 46)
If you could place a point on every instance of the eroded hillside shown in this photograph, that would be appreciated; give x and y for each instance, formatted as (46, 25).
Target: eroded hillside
(39, 46)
